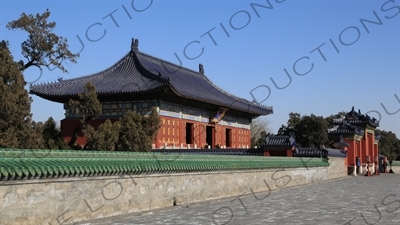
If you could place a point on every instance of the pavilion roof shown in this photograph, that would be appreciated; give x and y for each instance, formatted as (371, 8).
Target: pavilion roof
(140, 73)
(345, 128)
(356, 118)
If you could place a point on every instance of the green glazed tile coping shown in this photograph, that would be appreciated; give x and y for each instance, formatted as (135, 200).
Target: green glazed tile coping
(395, 163)
(32, 164)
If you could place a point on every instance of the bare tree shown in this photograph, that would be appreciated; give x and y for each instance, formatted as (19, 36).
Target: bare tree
(259, 128)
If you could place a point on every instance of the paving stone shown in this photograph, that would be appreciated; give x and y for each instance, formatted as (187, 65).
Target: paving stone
(349, 201)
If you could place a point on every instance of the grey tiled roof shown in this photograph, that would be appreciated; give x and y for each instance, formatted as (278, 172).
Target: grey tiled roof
(310, 152)
(352, 123)
(354, 117)
(272, 140)
(345, 128)
(138, 72)
(336, 152)
(339, 143)
(122, 77)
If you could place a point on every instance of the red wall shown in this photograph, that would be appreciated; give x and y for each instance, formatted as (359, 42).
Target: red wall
(173, 132)
(362, 149)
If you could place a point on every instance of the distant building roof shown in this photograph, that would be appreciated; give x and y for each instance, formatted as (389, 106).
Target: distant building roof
(345, 128)
(140, 73)
(278, 141)
(352, 123)
(336, 152)
(310, 152)
(356, 118)
(340, 143)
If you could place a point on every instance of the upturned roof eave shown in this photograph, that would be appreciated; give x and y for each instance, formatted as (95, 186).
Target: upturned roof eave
(263, 111)
(267, 111)
(65, 98)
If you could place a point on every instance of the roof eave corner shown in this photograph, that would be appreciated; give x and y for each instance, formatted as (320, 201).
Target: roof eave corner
(134, 46)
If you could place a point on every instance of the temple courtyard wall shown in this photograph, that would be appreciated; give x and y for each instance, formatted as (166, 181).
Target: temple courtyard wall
(69, 200)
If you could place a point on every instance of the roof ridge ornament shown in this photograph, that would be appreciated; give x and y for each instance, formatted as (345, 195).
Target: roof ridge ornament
(201, 69)
(135, 45)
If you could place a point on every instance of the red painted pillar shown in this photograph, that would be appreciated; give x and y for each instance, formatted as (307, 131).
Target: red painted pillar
(362, 150)
(181, 126)
(351, 157)
(367, 153)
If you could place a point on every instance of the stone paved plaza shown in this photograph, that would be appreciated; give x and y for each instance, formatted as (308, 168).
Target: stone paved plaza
(352, 200)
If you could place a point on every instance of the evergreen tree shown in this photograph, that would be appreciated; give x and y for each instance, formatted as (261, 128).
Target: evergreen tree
(52, 137)
(138, 132)
(310, 131)
(104, 138)
(152, 123)
(293, 122)
(132, 136)
(389, 144)
(33, 138)
(261, 140)
(87, 106)
(330, 118)
(15, 117)
(43, 47)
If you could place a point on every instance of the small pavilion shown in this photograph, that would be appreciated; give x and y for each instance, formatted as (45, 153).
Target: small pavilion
(354, 132)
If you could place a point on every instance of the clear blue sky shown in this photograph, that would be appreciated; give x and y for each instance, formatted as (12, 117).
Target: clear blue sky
(354, 62)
